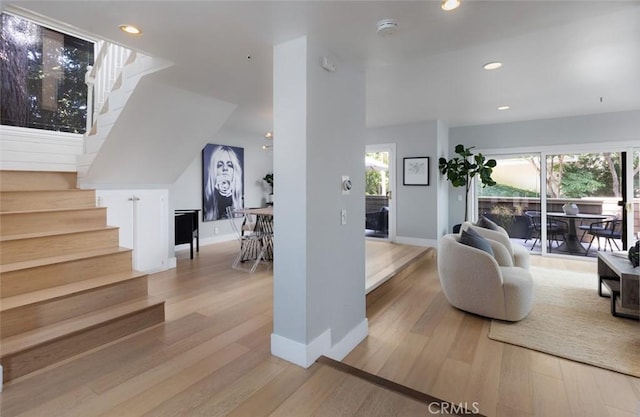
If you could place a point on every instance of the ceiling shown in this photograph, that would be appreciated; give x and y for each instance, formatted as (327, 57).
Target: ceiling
(561, 58)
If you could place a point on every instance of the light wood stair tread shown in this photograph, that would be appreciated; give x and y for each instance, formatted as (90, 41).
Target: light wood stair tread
(67, 286)
(60, 259)
(66, 289)
(33, 338)
(28, 179)
(61, 190)
(54, 233)
(53, 210)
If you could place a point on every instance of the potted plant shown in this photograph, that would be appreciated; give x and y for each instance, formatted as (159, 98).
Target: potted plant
(461, 169)
(512, 219)
(268, 178)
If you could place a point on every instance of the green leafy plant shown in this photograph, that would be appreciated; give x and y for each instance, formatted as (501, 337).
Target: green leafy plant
(505, 215)
(461, 169)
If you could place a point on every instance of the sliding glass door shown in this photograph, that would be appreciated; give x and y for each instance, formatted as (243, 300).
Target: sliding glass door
(634, 201)
(514, 202)
(590, 203)
(583, 195)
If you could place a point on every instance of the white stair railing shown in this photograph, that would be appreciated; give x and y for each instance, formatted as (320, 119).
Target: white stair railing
(102, 76)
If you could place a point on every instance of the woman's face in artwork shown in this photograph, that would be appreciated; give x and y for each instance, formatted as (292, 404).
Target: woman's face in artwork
(224, 173)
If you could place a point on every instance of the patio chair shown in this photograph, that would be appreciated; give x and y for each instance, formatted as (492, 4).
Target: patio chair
(587, 225)
(610, 230)
(555, 229)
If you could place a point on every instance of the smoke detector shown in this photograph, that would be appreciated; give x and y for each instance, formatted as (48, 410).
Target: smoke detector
(387, 27)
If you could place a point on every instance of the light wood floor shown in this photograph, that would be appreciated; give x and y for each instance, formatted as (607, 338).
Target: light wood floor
(384, 259)
(211, 357)
(418, 340)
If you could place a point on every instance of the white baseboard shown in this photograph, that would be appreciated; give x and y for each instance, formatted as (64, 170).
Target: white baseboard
(173, 262)
(299, 353)
(1, 377)
(430, 243)
(217, 239)
(305, 355)
(208, 241)
(341, 349)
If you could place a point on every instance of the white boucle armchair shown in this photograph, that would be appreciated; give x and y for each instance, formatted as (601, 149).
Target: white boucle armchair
(473, 281)
(519, 255)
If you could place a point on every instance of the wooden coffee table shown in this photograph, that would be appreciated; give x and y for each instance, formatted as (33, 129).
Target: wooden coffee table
(622, 280)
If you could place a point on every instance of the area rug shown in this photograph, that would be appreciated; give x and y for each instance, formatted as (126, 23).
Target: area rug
(571, 321)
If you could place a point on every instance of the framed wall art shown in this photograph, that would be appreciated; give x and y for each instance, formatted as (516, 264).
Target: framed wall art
(222, 180)
(416, 170)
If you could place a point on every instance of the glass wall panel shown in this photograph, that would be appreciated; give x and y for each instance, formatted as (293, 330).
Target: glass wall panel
(636, 195)
(583, 191)
(515, 196)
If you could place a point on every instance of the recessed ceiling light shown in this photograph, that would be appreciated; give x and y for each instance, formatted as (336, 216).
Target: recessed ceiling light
(130, 29)
(492, 65)
(269, 135)
(504, 108)
(450, 4)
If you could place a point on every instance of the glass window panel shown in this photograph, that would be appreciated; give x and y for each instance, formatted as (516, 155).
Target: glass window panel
(517, 192)
(42, 75)
(583, 190)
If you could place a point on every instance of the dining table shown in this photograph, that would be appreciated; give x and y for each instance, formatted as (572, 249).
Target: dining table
(572, 243)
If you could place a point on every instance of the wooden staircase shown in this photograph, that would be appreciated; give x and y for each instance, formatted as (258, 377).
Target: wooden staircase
(65, 284)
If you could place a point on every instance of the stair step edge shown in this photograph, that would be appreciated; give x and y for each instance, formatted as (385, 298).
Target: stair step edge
(53, 210)
(66, 190)
(33, 338)
(66, 290)
(9, 238)
(35, 263)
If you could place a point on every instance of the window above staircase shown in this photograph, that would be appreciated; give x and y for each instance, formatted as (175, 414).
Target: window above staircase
(43, 76)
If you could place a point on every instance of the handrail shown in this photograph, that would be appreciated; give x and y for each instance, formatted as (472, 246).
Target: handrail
(102, 76)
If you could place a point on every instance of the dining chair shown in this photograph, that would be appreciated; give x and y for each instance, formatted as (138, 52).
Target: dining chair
(251, 243)
(610, 230)
(588, 225)
(555, 229)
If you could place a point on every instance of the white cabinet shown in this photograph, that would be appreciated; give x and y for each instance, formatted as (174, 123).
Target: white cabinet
(143, 219)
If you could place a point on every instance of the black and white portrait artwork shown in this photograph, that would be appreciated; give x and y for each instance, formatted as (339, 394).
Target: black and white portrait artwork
(222, 180)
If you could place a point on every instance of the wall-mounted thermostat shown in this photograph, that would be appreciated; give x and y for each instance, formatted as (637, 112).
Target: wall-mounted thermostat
(346, 184)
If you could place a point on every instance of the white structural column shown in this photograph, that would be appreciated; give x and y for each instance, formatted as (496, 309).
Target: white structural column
(319, 267)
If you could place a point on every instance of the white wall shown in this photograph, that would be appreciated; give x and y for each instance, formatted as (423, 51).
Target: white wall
(186, 192)
(156, 135)
(335, 147)
(594, 128)
(416, 205)
(319, 129)
(541, 135)
(38, 150)
(441, 181)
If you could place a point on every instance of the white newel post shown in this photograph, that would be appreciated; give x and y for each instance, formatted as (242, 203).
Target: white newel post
(90, 80)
